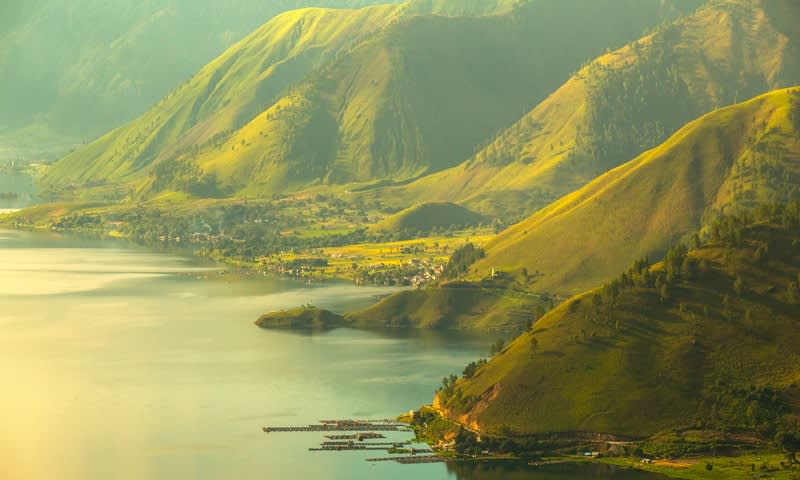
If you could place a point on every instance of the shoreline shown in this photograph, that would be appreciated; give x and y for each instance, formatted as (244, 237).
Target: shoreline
(308, 275)
(759, 461)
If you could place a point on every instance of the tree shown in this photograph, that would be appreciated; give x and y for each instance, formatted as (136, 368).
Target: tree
(534, 344)
(497, 346)
(470, 369)
(462, 259)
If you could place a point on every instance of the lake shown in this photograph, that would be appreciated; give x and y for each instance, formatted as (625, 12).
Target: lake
(120, 363)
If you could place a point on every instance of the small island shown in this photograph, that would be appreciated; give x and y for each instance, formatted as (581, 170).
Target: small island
(306, 317)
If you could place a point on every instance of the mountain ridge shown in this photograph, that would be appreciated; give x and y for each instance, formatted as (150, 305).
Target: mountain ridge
(410, 127)
(705, 350)
(622, 104)
(576, 242)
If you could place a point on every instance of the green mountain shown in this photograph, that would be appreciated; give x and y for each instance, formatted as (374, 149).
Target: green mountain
(331, 97)
(730, 159)
(79, 68)
(704, 341)
(733, 159)
(624, 103)
(428, 216)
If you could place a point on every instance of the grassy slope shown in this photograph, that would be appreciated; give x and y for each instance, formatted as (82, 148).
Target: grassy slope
(732, 157)
(624, 103)
(457, 305)
(225, 93)
(417, 98)
(111, 60)
(649, 366)
(229, 91)
(426, 216)
(413, 98)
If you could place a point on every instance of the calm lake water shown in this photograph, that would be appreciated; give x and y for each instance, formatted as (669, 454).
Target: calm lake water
(120, 363)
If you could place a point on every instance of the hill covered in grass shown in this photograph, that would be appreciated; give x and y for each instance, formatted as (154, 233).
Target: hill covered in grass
(81, 67)
(429, 216)
(732, 158)
(624, 103)
(224, 94)
(479, 307)
(391, 92)
(706, 340)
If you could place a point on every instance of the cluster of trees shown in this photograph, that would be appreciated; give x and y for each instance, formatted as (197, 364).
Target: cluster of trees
(467, 443)
(729, 229)
(77, 222)
(448, 387)
(497, 347)
(635, 108)
(472, 368)
(677, 266)
(462, 259)
(728, 407)
(726, 230)
(788, 439)
(185, 176)
(539, 311)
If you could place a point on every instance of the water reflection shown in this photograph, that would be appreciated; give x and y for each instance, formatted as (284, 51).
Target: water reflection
(521, 471)
(120, 363)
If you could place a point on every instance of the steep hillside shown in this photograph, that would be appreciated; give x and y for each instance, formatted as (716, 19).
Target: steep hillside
(226, 93)
(624, 103)
(731, 158)
(705, 341)
(480, 307)
(428, 216)
(401, 94)
(81, 67)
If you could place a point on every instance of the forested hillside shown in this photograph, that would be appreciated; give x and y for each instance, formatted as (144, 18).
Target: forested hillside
(706, 340)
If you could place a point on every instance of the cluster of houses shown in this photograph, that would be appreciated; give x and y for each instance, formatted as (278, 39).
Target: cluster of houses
(415, 272)
(424, 272)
